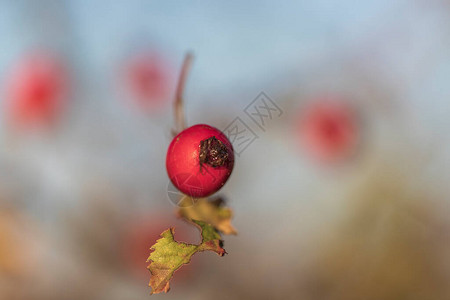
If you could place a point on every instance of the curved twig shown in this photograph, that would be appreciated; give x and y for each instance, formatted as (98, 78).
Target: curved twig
(180, 122)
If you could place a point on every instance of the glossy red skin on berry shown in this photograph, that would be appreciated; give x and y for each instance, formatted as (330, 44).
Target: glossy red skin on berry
(329, 130)
(183, 164)
(36, 90)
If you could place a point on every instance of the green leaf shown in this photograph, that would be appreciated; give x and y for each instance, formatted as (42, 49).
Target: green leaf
(168, 255)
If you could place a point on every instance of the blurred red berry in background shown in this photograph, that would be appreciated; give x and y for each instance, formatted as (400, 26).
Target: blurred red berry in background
(36, 90)
(329, 129)
(148, 80)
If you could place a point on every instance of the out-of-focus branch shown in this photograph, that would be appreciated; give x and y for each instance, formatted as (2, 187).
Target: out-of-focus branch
(180, 122)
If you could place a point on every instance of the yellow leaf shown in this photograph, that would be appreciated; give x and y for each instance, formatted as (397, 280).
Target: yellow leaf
(212, 212)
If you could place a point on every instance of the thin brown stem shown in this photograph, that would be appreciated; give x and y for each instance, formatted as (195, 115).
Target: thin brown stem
(180, 122)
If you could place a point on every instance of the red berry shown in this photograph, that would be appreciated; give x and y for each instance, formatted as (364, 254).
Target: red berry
(200, 160)
(329, 130)
(36, 90)
(148, 80)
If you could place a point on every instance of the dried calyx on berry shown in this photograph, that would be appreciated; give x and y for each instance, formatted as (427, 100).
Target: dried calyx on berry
(213, 152)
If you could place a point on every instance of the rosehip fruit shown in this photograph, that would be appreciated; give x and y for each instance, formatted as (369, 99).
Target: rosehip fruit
(36, 91)
(148, 80)
(329, 130)
(199, 160)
